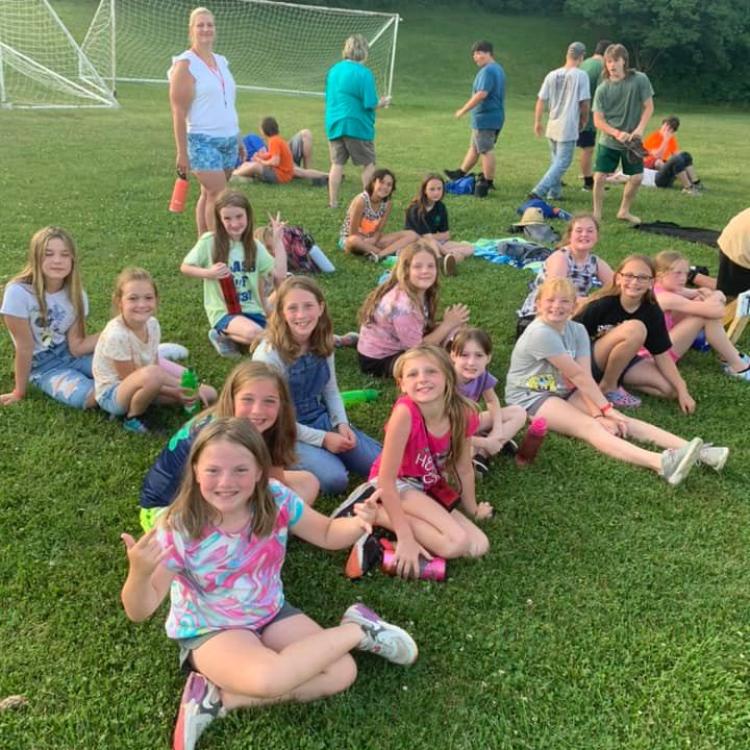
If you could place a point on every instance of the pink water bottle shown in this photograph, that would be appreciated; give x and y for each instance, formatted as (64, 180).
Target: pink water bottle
(179, 193)
(429, 570)
(530, 446)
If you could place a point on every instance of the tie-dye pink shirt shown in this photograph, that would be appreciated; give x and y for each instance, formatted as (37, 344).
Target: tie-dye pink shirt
(226, 581)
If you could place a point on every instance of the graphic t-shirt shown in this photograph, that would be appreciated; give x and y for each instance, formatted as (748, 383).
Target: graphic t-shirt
(228, 580)
(530, 374)
(424, 453)
(433, 221)
(19, 301)
(397, 324)
(245, 279)
(118, 343)
(603, 314)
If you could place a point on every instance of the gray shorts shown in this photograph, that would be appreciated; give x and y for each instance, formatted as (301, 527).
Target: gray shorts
(361, 153)
(484, 140)
(295, 146)
(188, 645)
(269, 175)
(534, 407)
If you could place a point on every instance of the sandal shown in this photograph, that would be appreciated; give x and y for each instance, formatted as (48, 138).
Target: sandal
(622, 399)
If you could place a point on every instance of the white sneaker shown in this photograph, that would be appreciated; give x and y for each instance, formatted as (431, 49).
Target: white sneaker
(677, 462)
(713, 456)
(380, 637)
(173, 352)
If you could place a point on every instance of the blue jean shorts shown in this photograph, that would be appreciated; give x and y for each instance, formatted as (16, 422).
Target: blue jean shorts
(108, 401)
(62, 376)
(223, 322)
(209, 153)
(188, 645)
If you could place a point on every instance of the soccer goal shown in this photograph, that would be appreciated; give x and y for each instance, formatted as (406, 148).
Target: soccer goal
(40, 63)
(271, 46)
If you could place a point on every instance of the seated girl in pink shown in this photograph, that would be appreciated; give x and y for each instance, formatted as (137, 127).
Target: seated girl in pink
(424, 473)
(401, 312)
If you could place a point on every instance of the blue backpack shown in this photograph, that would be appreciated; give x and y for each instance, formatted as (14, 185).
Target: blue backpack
(462, 186)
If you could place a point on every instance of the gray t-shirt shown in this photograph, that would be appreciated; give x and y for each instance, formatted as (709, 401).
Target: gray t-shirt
(564, 89)
(530, 374)
(621, 104)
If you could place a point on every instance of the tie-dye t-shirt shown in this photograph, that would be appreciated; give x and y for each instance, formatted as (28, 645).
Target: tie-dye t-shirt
(225, 581)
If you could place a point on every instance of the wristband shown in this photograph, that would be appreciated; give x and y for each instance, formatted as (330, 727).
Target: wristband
(607, 407)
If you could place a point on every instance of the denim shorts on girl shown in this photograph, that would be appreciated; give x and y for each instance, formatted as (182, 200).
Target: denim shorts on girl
(223, 322)
(209, 153)
(188, 645)
(62, 376)
(108, 401)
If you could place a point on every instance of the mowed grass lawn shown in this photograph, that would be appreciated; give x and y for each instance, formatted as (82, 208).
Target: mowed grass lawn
(612, 610)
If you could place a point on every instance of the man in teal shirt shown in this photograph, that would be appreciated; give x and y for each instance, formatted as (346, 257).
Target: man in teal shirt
(487, 106)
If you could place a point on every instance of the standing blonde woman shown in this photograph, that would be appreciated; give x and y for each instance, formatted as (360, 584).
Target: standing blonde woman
(206, 130)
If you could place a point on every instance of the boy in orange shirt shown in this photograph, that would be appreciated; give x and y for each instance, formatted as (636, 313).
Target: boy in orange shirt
(665, 156)
(275, 164)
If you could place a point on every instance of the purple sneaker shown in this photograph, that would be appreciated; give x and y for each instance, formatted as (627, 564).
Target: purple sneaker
(380, 637)
(199, 706)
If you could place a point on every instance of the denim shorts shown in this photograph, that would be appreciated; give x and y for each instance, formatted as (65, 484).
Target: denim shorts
(223, 322)
(108, 401)
(209, 153)
(62, 376)
(188, 645)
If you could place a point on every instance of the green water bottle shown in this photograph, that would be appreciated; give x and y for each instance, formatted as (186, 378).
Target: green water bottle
(358, 397)
(189, 382)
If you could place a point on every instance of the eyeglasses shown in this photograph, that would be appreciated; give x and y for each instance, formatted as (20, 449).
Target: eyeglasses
(639, 277)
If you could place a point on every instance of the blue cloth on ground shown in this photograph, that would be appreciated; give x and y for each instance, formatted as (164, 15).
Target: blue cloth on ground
(550, 212)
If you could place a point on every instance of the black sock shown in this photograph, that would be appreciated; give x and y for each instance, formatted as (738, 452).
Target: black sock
(697, 182)
(588, 181)
(491, 183)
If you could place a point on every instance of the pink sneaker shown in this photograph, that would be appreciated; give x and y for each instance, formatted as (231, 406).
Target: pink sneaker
(199, 706)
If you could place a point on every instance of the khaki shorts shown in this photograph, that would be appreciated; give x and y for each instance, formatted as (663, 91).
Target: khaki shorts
(484, 141)
(361, 153)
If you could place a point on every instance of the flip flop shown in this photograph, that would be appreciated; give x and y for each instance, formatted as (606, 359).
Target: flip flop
(621, 399)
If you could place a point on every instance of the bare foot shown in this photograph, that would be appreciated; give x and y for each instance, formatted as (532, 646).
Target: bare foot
(630, 218)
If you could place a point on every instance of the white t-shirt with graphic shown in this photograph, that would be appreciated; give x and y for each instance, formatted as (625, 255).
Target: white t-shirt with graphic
(19, 301)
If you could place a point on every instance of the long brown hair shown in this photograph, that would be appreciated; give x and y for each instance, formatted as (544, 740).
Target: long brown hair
(280, 337)
(420, 200)
(613, 289)
(455, 406)
(282, 435)
(400, 278)
(32, 274)
(191, 513)
(222, 241)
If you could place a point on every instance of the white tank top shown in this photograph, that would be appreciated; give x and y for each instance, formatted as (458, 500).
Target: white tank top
(212, 110)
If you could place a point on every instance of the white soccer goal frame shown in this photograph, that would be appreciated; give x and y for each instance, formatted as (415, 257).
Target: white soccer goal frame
(95, 95)
(390, 27)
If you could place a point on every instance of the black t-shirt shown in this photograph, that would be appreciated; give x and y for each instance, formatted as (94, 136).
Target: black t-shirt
(433, 222)
(603, 314)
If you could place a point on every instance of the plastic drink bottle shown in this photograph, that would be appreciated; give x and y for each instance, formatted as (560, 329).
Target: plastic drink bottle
(179, 194)
(229, 291)
(429, 570)
(189, 383)
(359, 397)
(531, 442)
(700, 343)
(321, 259)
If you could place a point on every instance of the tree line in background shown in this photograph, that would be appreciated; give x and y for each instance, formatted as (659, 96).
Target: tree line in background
(705, 43)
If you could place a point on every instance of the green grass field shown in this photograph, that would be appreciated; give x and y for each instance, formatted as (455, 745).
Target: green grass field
(612, 611)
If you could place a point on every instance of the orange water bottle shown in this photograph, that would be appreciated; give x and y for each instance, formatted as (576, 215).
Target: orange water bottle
(179, 193)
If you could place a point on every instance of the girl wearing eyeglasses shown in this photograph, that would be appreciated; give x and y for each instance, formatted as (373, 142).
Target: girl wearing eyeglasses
(630, 343)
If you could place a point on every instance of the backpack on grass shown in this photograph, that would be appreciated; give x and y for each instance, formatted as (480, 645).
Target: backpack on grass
(297, 243)
(462, 186)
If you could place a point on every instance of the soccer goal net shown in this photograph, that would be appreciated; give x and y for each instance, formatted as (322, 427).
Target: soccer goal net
(271, 46)
(40, 63)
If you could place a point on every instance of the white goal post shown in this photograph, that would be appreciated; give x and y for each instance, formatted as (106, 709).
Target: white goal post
(271, 46)
(41, 65)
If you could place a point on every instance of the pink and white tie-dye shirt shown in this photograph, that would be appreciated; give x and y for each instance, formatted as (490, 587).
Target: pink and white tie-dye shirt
(224, 581)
